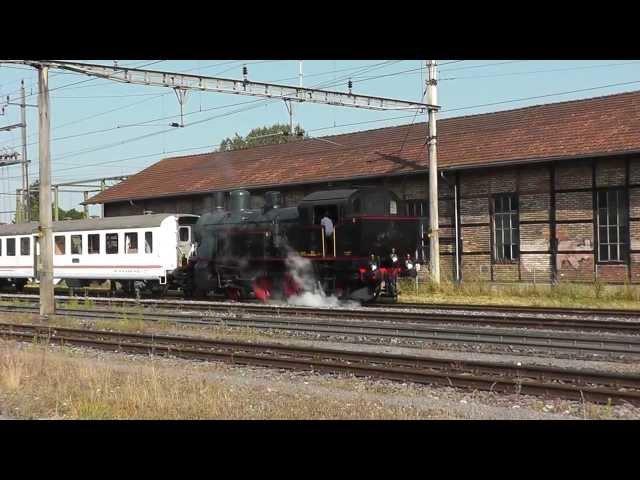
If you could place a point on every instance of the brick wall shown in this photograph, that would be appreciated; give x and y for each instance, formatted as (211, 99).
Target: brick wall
(476, 190)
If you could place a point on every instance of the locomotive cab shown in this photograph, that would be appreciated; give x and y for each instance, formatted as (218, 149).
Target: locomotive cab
(366, 225)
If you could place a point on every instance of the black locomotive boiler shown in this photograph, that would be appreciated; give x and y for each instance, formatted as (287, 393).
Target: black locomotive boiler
(340, 242)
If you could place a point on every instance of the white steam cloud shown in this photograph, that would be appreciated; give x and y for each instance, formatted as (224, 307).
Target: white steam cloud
(313, 294)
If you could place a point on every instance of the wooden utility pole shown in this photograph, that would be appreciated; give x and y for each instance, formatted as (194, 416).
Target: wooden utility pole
(434, 236)
(47, 302)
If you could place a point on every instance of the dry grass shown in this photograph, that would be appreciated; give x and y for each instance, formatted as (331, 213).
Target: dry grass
(595, 295)
(36, 382)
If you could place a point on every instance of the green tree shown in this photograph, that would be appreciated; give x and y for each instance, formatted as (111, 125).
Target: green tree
(275, 134)
(34, 197)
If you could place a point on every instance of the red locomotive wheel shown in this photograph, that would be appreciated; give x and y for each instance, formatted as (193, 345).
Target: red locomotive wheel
(262, 288)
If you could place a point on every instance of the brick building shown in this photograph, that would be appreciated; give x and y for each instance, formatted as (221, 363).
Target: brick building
(532, 194)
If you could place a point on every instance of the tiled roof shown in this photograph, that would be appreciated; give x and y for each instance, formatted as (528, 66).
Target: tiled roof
(579, 128)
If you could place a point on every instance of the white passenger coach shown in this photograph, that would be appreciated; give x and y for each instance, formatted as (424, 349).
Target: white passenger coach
(130, 250)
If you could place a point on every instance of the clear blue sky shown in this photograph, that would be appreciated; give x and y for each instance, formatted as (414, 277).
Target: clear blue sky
(102, 105)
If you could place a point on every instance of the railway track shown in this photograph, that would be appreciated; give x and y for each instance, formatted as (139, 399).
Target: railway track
(618, 321)
(617, 347)
(600, 312)
(573, 384)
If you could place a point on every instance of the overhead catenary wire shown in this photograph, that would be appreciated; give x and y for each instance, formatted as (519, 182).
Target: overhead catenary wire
(141, 137)
(447, 110)
(530, 72)
(84, 119)
(488, 104)
(66, 85)
(484, 65)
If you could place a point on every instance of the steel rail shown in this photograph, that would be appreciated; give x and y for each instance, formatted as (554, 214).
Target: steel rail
(426, 315)
(621, 312)
(574, 384)
(552, 342)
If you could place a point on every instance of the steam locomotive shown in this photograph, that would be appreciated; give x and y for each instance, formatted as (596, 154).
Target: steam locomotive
(275, 252)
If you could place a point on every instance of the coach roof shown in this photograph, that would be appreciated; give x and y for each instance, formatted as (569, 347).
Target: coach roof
(108, 223)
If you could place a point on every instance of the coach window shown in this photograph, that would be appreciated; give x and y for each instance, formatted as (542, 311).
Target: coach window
(1, 246)
(184, 234)
(76, 244)
(25, 246)
(111, 240)
(11, 247)
(131, 242)
(148, 242)
(60, 244)
(93, 243)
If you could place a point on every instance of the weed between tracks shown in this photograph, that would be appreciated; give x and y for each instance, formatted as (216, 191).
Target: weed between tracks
(563, 295)
(133, 323)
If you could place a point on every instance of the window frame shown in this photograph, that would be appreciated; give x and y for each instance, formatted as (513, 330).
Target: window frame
(150, 233)
(625, 223)
(89, 252)
(106, 243)
(71, 237)
(13, 239)
(28, 239)
(182, 228)
(129, 235)
(514, 218)
(64, 244)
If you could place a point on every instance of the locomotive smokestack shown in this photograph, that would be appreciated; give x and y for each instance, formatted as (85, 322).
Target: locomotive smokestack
(240, 201)
(219, 201)
(272, 199)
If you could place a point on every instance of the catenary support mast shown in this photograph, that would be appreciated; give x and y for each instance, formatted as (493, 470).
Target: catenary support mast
(434, 240)
(47, 302)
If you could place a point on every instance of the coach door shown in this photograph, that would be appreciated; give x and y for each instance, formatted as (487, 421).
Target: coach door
(184, 243)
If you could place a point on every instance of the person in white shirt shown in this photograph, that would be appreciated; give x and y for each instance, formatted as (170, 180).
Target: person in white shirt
(327, 224)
